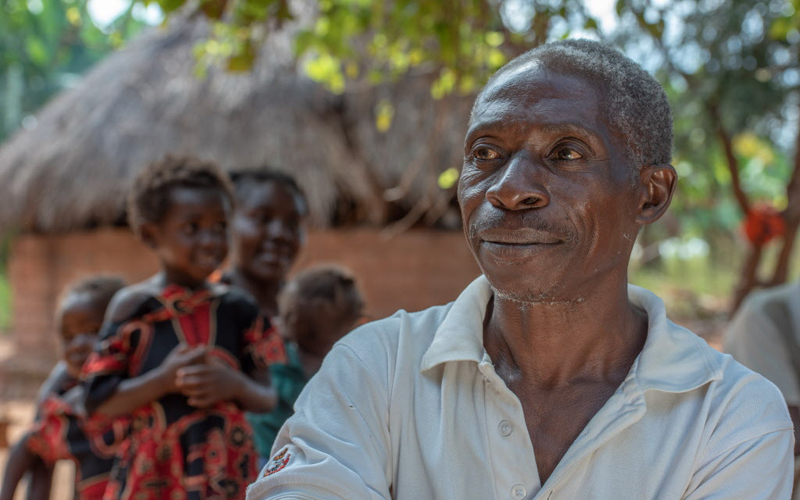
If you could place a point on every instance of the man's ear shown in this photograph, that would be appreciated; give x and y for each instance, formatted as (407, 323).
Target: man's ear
(148, 234)
(657, 184)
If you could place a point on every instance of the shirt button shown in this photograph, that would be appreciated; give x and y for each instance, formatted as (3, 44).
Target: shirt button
(518, 492)
(505, 428)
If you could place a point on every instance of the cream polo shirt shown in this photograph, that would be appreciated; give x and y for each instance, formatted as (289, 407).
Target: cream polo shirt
(411, 408)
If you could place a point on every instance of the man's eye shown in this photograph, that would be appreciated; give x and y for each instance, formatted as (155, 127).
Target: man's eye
(220, 227)
(567, 154)
(190, 229)
(484, 153)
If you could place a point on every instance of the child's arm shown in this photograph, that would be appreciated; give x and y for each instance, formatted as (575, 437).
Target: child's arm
(209, 383)
(20, 460)
(136, 392)
(109, 390)
(41, 481)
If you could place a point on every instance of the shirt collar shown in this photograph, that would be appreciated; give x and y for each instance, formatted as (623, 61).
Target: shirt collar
(673, 358)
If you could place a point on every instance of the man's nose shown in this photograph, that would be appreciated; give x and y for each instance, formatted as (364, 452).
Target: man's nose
(517, 185)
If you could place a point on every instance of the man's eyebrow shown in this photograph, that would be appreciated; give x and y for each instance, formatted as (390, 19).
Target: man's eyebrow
(566, 128)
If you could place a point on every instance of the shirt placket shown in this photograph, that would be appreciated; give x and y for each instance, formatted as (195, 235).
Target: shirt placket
(512, 457)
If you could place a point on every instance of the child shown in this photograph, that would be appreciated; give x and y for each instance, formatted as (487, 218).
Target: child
(268, 233)
(317, 308)
(62, 430)
(175, 350)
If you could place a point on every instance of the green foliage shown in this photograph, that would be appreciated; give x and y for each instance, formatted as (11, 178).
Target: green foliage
(461, 42)
(730, 64)
(43, 44)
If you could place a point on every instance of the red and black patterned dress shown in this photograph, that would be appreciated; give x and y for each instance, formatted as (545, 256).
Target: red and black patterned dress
(175, 451)
(60, 433)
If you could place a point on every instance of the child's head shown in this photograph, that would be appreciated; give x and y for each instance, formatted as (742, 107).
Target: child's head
(267, 223)
(319, 306)
(179, 206)
(80, 316)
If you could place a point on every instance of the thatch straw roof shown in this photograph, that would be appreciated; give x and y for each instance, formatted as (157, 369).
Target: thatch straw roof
(72, 170)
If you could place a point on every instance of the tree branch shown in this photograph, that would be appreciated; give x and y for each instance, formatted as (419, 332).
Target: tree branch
(792, 218)
(732, 162)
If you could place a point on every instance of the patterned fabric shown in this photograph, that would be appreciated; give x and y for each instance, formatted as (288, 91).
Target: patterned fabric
(175, 451)
(60, 434)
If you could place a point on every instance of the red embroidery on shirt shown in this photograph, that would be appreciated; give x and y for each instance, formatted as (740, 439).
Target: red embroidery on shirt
(278, 463)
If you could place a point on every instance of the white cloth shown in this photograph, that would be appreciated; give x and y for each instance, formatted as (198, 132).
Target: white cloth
(410, 407)
(761, 342)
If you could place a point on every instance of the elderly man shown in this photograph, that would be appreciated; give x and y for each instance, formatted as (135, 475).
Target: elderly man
(549, 377)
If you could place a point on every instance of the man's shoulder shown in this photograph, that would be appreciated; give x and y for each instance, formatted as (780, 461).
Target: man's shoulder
(406, 334)
(730, 392)
(745, 400)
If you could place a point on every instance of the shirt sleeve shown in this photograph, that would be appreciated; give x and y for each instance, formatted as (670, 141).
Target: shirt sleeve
(761, 468)
(748, 450)
(754, 341)
(337, 445)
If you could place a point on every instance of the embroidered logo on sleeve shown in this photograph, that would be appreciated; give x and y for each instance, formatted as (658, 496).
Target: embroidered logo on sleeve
(277, 463)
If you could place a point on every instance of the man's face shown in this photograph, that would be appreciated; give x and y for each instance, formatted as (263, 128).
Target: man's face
(546, 194)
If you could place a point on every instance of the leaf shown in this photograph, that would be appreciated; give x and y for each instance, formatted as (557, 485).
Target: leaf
(170, 5)
(448, 178)
(37, 51)
(213, 9)
(327, 70)
(384, 114)
(74, 16)
(494, 39)
(243, 59)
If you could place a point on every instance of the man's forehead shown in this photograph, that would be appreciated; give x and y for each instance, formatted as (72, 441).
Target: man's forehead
(535, 80)
(559, 99)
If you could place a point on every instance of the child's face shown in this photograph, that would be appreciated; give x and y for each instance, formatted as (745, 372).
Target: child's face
(80, 319)
(267, 230)
(192, 239)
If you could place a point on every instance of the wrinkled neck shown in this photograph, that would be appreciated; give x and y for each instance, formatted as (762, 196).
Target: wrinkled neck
(554, 344)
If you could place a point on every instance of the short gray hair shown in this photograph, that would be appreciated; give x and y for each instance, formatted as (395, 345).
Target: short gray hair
(635, 103)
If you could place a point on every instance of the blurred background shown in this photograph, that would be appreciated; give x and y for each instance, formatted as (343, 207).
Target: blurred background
(366, 102)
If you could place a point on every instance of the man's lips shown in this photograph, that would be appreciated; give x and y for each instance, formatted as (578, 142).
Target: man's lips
(519, 237)
(517, 245)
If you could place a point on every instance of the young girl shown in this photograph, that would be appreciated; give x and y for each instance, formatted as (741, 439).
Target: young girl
(267, 234)
(176, 351)
(317, 308)
(62, 430)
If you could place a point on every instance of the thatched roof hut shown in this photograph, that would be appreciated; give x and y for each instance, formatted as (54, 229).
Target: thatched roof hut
(71, 171)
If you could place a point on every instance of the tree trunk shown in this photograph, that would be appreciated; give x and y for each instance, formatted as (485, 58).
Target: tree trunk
(748, 278)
